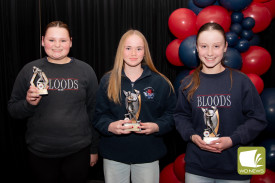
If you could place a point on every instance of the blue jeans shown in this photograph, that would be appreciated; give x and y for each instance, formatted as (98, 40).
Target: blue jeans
(192, 178)
(117, 172)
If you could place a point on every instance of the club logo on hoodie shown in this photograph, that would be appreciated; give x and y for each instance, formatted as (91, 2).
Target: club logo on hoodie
(62, 84)
(149, 92)
(218, 100)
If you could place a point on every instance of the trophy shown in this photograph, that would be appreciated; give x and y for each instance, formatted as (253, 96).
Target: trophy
(133, 106)
(211, 120)
(41, 82)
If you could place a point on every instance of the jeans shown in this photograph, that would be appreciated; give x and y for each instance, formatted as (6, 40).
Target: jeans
(117, 172)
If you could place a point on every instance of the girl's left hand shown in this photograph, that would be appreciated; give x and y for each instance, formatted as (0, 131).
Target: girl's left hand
(148, 128)
(93, 159)
(222, 143)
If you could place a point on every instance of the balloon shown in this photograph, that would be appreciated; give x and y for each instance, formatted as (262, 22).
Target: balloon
(261, 1)
(233, 58)
(179, 78)
(179, 167)
(269, 145)
(247, 34)
(256, 60)
(231, 38)
(242, 45)
(235, 5)
(193, 7)
(268, 177)
(237, 28)
(215, 14)
(203, 3)
(260, 14)
(188, 52)
(182, 23)
(268, 100)
(255, 41)
(167, 175)
(271, 7)
(257, 81)
(193, 70)
(172, 52)
(248, 23)
(236, 17)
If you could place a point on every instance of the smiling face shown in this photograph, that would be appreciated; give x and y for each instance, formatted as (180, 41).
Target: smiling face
(211, 47)
(133, 51)
(57, 44)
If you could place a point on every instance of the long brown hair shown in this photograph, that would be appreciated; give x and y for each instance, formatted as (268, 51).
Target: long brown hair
(114, 86)
(195, 80)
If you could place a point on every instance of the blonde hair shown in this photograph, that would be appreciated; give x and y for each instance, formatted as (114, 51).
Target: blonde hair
(114, 85)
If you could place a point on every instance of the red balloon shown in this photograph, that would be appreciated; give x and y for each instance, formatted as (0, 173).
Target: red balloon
(256, 60)
(193, 70)
(214, 13)
(179, 167)
(271, 7)
(268, 177)
(257, 81)
(260, 13)
(167, 175)
(182, 23)
(172, 52)
(261, 1)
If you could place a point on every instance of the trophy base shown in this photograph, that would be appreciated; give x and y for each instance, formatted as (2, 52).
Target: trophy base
(43, 92)
(135, 127)
(208, 140)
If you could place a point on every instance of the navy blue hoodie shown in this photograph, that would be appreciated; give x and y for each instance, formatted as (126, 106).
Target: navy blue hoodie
(240, 114)
(157, 105)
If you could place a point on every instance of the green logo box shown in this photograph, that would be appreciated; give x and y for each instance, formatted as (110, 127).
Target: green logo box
(251, 160)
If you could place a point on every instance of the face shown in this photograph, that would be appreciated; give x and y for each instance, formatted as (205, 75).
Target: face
(57, 43)
(133, 51)
(211, 46)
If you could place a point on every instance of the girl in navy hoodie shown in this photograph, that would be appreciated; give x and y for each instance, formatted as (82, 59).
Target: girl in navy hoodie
(130, 153)
(216, 102)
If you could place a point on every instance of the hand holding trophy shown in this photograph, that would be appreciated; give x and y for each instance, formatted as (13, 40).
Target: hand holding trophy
(41, 82)
(133, 106)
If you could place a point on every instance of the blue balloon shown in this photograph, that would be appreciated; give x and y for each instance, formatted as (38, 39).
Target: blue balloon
(237, 28)
(233, 58)
(255, 41)
(268, 100)
(203, 3)
(269, 145)
(217, 3)
(193, 7)
(242, 45)
(247, 34)
(235, 5)
(188, 53)
(248, 23)
(231, 38)
(179, 78)
(237, 17)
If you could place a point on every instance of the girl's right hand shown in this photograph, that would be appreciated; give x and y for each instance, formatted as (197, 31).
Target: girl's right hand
(202, 145)
(118, 128)
(32, 96)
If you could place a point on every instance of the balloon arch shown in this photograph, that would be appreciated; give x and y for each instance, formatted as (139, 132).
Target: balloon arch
(242, 20)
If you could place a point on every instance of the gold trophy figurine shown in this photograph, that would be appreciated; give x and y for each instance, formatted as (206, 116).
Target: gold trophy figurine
(133, 106)
(42, 81)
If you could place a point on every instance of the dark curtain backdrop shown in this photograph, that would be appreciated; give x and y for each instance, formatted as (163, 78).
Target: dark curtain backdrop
(96, 26)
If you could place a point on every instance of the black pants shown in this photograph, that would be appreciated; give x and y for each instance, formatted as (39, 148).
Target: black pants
(70, 169)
